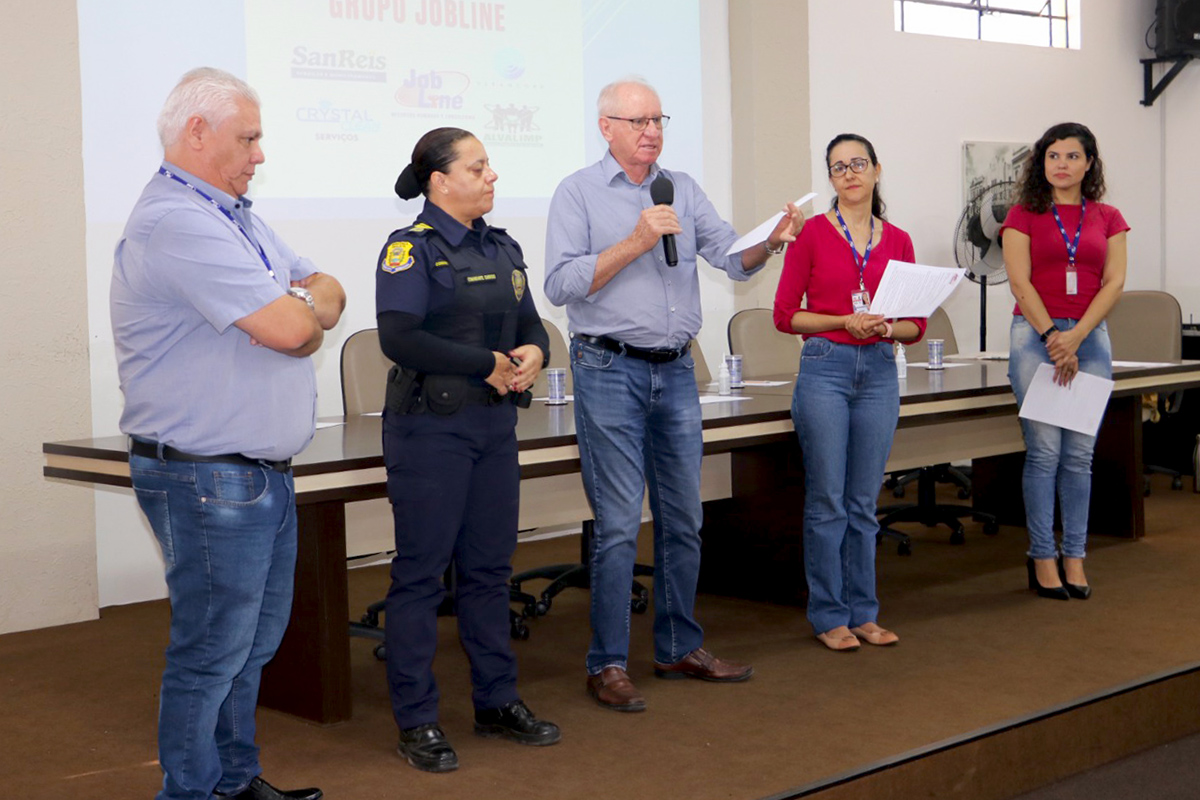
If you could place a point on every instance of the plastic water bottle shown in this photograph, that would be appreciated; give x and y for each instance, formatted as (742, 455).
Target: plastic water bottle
(901, 362)
(724, 381)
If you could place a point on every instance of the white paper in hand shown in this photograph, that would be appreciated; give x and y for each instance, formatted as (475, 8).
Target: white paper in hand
(1078, 406)
(913, 290)
(761, 233)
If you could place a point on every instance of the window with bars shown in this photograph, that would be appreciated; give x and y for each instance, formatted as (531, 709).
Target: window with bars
(1043, 23)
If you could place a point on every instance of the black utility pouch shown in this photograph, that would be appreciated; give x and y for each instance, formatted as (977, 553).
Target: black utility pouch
(403, 390)
(444, 394)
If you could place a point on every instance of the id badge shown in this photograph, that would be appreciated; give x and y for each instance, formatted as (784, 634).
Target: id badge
(861, 300)
(1072, 282)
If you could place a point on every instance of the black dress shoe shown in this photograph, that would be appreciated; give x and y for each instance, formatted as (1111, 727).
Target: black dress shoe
(515, 721)
(261, 790)
(426, 748)
(1080, 591)
(1052, 592)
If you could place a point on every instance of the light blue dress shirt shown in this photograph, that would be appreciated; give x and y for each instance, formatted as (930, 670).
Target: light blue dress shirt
(647, 304)
(182, 275)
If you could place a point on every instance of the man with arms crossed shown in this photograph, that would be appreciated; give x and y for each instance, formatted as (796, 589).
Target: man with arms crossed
(637, 411)
(214, 318)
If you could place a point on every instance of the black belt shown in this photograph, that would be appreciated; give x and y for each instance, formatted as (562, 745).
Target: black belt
(659, 355)
(148, 449)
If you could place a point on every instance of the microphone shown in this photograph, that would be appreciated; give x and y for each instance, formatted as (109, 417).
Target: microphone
(662, 193)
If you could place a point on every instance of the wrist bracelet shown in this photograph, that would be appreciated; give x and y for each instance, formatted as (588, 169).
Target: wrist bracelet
(767, 246)
(1046, 334)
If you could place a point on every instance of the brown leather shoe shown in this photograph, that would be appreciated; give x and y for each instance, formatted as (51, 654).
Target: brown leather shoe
(613, 689)
(704, 665)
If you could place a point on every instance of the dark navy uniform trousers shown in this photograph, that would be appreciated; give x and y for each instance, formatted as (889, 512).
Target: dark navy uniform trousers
(454, 484)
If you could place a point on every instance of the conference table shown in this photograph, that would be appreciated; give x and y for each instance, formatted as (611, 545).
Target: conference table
(961, 412)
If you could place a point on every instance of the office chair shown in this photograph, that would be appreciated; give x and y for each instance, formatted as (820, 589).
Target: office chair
(575, 575)
(927, 510)
(364, 370)
(1148, 326)
(765, 352)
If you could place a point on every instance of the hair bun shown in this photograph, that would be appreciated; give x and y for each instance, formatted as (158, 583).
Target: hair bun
(407, 186)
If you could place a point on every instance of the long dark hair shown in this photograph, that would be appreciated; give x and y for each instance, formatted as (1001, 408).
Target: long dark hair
(435, 152)
(1035, 192)
(878, 207)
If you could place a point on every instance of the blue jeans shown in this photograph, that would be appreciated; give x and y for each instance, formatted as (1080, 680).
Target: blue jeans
(638, 424)
(845, 407)
(1055, 458)
(228, 537)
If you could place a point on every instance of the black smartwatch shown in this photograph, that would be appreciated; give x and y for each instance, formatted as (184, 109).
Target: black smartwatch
(1046, 334)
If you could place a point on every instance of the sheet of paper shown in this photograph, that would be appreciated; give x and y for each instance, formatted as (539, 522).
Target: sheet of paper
(707, 399)
(324, 425)
(764, 383)
(1144, 364)
(761, 233)
(1077, 407)
(945, 364)
(987, 355)
(914, 290)
(570, 399)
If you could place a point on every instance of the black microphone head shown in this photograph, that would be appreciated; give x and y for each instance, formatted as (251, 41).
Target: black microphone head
(662, 191)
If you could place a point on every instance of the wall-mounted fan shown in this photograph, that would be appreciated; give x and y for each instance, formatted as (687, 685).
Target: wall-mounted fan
(977, 242)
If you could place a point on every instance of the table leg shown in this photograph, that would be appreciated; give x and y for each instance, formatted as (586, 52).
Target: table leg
(310, 675)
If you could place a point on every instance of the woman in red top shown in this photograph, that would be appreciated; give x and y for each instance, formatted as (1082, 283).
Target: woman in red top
(1065, 255)
(847, 399)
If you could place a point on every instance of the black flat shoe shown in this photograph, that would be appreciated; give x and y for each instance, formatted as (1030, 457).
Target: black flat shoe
(1080, 591)
(1052, 592)
(516, 722)
(261, 790)
(426, 748)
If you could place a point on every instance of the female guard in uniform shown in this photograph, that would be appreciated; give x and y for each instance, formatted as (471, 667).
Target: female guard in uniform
(456, 317)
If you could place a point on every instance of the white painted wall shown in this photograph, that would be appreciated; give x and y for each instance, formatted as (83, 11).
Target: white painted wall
(918, 98)
(1179, 109)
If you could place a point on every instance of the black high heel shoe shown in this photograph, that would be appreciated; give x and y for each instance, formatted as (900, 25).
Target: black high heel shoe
(1052, 592)
(1078, 591)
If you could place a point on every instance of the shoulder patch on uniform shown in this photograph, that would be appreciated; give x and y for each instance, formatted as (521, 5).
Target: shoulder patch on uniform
(518, 282)
(398, 257)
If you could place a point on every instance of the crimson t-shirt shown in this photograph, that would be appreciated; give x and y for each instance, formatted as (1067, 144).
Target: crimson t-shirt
(1048, 253)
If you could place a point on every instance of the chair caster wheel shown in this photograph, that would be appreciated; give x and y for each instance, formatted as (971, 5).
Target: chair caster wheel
(991, 528)
(904, 549)
(519, 630)
(1177, 483)
(529, 610)
(898, 491)
(380, 652)
(963, 494)
(542, 608)
(958, 536)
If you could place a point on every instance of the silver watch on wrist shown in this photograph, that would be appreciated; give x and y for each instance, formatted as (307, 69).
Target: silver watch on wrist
(303, 294)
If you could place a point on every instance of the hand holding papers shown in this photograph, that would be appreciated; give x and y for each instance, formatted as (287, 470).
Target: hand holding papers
(1078, 406)
(761, 233)
(913, 290)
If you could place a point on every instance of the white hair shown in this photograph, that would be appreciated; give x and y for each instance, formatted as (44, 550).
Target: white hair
(206, 92)
(607, 103)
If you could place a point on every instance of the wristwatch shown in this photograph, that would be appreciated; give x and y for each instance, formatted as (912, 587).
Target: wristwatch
(303, 294)
(767, 246)
(1046, 333)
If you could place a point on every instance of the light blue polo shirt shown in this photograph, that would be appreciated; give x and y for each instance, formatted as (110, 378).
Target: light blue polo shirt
(182, 275)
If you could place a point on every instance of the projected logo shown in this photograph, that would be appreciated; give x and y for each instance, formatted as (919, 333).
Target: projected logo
(511, 119)
(435, 90)
(509, 63)
(338, 122)
(338, 65)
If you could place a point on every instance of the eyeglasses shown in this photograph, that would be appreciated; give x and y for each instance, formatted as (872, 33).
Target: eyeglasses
(640, 123)
(856, 165)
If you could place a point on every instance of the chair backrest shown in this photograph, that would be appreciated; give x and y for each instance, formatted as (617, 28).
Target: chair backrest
(938, 327)
(764, 350)
(364, 373)
(560, 357)
(703, 373)
(1146, 326)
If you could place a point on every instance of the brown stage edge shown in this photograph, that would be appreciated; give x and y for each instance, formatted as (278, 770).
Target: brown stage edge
(1023, 754)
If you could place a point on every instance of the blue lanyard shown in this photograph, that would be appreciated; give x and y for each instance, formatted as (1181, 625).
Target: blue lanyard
(861, 264)
(228, 214)
(1072, 246)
